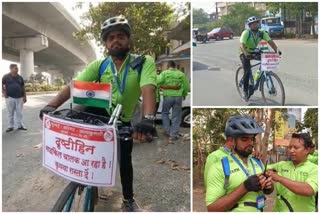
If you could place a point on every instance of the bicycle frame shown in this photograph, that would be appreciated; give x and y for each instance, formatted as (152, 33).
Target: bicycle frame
(263, 73)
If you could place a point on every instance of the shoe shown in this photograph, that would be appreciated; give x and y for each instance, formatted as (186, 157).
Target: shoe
(130, 205)
(174, 138)
(22, 128)
(9, 129)
(245, 96)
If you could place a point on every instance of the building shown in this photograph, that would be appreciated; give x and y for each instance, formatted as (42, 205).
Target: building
(178, 49)
(296, 112)
(224, 7)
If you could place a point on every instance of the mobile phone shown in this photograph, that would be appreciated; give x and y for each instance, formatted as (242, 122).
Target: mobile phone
(265, 169)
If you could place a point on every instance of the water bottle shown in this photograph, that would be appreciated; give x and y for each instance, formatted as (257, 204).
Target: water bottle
(257, 75)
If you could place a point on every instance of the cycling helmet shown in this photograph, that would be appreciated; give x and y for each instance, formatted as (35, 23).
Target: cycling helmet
(115, 23)
(242, 125)
(252, 19)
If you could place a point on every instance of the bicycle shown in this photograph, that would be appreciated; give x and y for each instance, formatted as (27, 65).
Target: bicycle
(268, 82)
(77, 195)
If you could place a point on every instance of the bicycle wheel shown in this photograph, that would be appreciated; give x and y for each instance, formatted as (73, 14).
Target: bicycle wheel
(67, 193)
(239, 80)
(77, 197)
(272, 89)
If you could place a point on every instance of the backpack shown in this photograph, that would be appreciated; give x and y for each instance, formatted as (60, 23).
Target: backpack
(227, 171)
(137, 65)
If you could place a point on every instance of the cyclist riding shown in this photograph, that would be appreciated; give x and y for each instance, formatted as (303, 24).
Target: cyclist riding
(115, 34)
(249, 41)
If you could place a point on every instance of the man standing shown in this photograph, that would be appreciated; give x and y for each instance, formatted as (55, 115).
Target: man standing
(172, 98)
(128, 84)
(14, 92)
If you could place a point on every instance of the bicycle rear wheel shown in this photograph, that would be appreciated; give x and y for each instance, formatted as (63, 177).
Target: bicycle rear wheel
(76, 197)
(272, 89)
(239, 80)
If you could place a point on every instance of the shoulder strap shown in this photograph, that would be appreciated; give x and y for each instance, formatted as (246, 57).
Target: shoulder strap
(250, 34)
(226, 171)
(258, 162)
(106, 62)
(260, 34)
(103, 67)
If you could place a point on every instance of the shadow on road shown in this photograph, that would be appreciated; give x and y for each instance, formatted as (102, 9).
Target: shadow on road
(198, 66)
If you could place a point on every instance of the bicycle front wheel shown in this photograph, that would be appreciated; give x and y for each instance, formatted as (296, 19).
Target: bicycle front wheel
(239, 80)
(66, 195)
(75, 198)
(272, 89)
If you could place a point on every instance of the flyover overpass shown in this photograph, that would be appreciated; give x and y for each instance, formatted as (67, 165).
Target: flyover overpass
(40, 34)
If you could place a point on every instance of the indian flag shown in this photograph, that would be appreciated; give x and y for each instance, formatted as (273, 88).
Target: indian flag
(91, 94)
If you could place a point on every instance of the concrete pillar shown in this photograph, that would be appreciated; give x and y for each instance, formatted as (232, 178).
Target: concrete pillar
(26, 63)
(27, 46)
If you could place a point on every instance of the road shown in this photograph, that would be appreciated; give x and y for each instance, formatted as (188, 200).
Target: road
(215, 63)
(28, 186)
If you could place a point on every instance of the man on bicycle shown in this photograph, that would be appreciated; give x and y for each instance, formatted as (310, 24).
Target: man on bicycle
(128, 85)
(249, 41)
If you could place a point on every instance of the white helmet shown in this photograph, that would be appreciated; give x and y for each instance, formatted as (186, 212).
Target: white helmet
(115, 23)
(252, 19)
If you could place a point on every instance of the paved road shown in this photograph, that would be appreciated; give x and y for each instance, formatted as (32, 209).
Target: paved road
(27, 186)
(215, 63)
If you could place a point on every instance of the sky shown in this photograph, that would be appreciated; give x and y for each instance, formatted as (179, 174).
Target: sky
(207, 6)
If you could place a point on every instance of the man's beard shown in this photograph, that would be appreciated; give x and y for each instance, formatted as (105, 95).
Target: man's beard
(119, 53)
(242, 153)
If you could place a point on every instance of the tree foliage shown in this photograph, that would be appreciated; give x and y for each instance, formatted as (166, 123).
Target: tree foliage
(235, 19)
(199, 16)
(148, 20)
(311, 121)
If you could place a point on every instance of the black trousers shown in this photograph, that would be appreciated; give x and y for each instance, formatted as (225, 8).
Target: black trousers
(126, 169)
(246, 68)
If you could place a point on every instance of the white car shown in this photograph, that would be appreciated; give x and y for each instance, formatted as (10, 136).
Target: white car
(185, 116)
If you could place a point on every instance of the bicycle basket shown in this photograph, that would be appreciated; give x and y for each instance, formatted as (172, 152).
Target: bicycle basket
(80, 117)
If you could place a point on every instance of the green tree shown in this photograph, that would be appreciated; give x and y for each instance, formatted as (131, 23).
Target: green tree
(148, 20)
(311, 121)
(239, 13)
(199, 17)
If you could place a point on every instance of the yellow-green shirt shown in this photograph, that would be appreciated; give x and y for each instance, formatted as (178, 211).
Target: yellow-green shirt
(214, 158)
(174, 77)
(305, 172)
(251, 41)
(133, 86)
(215, 183)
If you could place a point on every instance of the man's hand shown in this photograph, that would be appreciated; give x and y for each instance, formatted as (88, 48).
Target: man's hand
(273, 175)
(258, 155)
(252, 184)
(144, 130)
(47, 109)
(24, 99)
(265, 182)
(248, 56)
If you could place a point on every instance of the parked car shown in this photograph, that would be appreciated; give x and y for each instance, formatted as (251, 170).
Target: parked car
(200, 34)
(220, 33)
(185, 115)
(273, 26)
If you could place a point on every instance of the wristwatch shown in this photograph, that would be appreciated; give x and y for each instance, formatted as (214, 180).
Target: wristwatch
(149, 117)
